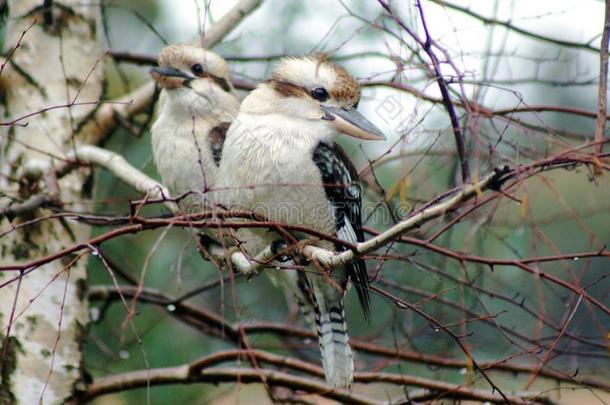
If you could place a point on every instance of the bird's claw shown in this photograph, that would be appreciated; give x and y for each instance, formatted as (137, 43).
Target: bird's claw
(206, 244)
(241, 264)
(277, 247)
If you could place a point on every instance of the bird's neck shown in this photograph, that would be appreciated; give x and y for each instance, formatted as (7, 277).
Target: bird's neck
(280, 129)
(182, 107)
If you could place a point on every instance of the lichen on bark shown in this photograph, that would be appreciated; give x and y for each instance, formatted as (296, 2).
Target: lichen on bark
(58, 58)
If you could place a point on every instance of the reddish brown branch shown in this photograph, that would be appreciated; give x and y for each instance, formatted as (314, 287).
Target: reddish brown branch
(183, 375)
(462, 257)
(9, 56)
(138, 224)
(201, 371)
(213, 324)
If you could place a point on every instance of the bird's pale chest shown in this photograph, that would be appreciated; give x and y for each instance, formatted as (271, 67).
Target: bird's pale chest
(181, 158)
(280, 182)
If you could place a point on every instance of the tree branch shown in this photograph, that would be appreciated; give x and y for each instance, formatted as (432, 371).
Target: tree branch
(182, 375)
(326, 258)
(511, 27)
(211, 323)
(427, 45)
(201, 371)
(600, 128)
(406, 225)
(117, 165)
(228, 22)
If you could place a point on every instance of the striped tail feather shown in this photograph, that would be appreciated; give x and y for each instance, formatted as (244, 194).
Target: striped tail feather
(327, 305)
(336, 352)
(306, 312)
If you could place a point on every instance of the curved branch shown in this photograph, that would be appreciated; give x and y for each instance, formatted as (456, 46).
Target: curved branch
(117, 164)
(181, 375)
(427, 45)
(201, 371)
(208, 322)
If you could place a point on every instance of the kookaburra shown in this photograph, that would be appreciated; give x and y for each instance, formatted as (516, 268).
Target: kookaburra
(280, 160)
(198, 103)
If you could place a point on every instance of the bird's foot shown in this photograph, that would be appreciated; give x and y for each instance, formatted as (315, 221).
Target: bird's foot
(241, 263)
(278, 247)
(206, 245)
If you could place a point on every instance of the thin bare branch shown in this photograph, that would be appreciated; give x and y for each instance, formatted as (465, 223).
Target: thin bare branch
(602, 98)
(512, 27)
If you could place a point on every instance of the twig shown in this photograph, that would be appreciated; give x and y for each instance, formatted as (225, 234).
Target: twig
(427, 45)
(508, 25)
(504, 113)
(600, 127)
(8, 57)
(34, 202)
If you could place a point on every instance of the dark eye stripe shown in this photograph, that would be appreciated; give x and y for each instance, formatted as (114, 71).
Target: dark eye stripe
(287, 89)
(198, 70)
(222, 82)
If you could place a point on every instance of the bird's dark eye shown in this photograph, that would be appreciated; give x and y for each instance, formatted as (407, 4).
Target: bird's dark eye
(197, 69)
(320, 94)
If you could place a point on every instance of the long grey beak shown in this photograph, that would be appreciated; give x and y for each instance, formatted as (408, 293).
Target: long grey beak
(351, 122)
(169, 72)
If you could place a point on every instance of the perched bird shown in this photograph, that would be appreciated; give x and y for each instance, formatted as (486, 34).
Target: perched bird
(198, 103)
(281, 161)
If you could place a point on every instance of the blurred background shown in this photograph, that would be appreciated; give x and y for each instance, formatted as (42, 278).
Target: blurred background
(504, 311)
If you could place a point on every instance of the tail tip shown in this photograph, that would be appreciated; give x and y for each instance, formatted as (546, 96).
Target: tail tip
(339, 377)
(340, 382)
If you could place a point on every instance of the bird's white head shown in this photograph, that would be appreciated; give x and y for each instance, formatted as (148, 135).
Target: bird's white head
(196, 80)
(314, 89)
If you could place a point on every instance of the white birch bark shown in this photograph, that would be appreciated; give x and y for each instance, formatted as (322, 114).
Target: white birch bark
(59, 57)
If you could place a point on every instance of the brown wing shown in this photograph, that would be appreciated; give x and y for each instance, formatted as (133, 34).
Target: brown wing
(216, 137)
